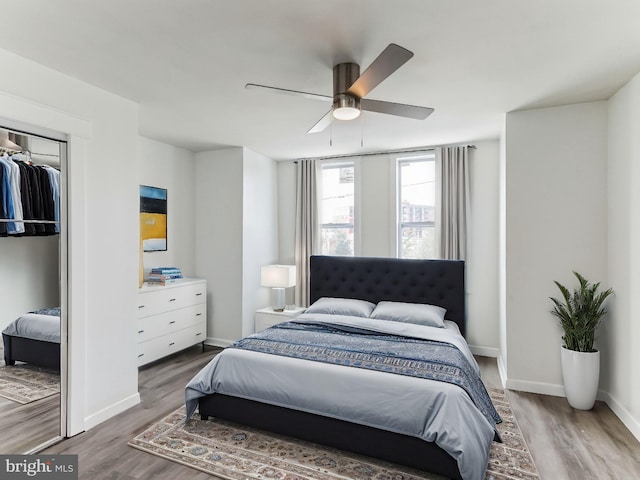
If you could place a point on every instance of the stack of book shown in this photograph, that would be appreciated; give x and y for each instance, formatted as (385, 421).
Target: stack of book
(164, 275)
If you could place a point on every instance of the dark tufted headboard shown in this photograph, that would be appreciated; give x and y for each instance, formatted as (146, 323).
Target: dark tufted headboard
(436, 282)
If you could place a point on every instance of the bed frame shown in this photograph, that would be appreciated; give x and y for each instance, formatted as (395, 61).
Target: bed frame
(34, 352)
(437, 282)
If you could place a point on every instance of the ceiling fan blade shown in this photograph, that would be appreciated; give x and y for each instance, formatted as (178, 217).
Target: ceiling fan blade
(284, 91)
(391, 58)
(399, 109)
(322, 123)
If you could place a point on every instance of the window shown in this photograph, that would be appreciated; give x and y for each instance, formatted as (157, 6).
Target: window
(337, 209)
(416, 190)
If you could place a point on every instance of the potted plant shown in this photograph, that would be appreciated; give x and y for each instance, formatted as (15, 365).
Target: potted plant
(580, 314)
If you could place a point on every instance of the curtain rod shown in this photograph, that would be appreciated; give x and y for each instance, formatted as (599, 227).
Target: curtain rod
(413, 150)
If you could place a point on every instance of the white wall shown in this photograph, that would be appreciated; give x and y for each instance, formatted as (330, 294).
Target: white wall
(286, 173)
(235, 234)
(165, 166)
(377, 206)
(377, 217)
(620, 335)
(286, 178)
(28, 275)
(502, 256)
(556, 217)
(103, 222)
(483, 252)
(218, 189)
(260, 234)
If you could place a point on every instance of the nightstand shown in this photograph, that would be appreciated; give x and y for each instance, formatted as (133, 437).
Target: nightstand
(267, 317)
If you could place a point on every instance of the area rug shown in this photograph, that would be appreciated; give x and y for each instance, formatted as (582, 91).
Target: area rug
(26, 384)
(233, 452)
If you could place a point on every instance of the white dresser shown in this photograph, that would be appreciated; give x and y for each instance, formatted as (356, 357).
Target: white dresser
(171, 318)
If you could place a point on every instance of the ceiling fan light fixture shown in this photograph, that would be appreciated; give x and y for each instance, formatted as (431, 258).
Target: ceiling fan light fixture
(346, 107)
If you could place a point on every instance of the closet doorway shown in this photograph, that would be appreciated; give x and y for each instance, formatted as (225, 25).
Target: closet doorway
(33, 290)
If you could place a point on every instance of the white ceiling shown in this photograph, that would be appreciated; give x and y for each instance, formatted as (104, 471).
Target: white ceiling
(186, 63)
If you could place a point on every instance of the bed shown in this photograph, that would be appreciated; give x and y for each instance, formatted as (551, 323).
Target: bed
(34, 338)
(395, 417)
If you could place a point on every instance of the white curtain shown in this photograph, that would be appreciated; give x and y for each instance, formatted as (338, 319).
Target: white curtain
(307, 226)
(453, 202)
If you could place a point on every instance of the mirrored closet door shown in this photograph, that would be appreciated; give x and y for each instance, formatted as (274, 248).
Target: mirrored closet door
(32, 289)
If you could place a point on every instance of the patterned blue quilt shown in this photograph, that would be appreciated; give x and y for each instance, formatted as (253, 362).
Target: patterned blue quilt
(361, 348)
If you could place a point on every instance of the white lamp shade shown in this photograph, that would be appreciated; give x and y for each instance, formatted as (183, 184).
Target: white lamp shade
(281, 276)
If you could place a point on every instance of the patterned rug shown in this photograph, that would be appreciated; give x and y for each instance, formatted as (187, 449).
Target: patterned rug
(234, 452)
(26, 384)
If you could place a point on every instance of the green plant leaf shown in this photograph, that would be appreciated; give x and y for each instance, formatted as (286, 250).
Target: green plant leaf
(580, 313)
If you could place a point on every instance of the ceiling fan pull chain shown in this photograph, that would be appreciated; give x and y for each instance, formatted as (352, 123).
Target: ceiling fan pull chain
(361, 131)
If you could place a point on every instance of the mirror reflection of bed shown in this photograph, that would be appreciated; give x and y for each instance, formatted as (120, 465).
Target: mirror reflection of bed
(30, 292)
(30, 380)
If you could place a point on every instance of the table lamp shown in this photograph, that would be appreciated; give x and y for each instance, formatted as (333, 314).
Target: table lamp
(278, 277)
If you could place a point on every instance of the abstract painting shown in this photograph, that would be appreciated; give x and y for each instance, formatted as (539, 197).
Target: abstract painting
(153, 218)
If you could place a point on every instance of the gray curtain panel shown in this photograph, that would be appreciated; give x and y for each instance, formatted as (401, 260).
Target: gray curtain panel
(307, 225)
(454, 206)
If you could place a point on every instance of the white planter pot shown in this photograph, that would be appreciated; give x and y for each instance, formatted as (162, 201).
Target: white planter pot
(581, 375)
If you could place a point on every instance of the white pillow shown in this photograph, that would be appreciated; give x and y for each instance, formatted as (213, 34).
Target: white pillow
(418, 313)
(341, 306)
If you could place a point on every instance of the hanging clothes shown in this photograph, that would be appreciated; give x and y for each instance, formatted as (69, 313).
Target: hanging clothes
(12, 171)
(28, 192)
(54, 180)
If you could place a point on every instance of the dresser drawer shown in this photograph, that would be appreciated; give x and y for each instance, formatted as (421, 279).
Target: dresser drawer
(169, 298)
(164, 323)
(159, 347)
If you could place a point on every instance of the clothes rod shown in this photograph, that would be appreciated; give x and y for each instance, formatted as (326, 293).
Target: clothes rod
(14, 220)
(38, 135)
(388, 152)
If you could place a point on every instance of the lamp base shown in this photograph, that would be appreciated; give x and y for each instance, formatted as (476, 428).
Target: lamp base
(277, 299)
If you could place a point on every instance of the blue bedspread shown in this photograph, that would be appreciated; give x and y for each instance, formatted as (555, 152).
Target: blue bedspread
(360, 348)
(436, 410)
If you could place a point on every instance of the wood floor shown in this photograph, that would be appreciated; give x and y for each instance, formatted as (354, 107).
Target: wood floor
(26, 427)
(568, 444)
(29, 426)
(565, 444)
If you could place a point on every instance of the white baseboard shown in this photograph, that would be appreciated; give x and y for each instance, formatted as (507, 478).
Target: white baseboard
(622, 413)
(110, 411)
(218, 342)
(535, 387)
(484, 351)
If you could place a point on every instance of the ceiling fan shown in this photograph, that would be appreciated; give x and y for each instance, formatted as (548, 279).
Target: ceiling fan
(350, 88)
